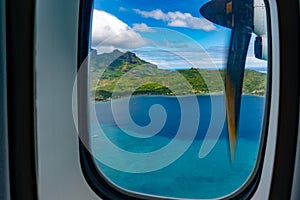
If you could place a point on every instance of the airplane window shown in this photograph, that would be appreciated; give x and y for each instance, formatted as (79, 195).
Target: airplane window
(177, 95)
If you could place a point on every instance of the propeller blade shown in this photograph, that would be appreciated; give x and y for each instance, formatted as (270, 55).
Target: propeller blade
(237, 15)
(234, 75)
(242, 27)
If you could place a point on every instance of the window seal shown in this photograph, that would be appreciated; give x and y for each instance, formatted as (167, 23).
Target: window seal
(92, 174)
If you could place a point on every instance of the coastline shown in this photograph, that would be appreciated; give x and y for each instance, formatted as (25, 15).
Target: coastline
(172, 96)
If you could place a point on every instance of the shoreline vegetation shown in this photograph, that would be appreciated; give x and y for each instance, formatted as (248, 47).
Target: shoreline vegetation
(115, 75)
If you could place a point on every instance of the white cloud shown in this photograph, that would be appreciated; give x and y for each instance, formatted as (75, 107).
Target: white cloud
(219, 55)
(185, 57)
(109, 33)
(156, 14)
(168, 59)
(122, 9)
(142, 28)
(178, 19)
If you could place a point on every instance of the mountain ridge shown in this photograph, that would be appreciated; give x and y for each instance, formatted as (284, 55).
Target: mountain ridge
(118, 60)
(139, 77)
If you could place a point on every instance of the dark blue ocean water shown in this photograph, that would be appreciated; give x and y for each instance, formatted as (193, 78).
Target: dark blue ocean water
(188, 176)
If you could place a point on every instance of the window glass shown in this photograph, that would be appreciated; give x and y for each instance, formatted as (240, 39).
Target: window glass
(162, 79)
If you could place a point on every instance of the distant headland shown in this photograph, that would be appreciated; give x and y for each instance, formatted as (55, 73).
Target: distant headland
(118, 74)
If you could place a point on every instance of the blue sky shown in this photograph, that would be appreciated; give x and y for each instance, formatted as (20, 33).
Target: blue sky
(169, 33)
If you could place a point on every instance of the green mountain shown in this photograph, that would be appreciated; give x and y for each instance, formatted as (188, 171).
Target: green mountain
(117, 60)
(101, 61)
(117, 63)
(127, 61)
(123, 74)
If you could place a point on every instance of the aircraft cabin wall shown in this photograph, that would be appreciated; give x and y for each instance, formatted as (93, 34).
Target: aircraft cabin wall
(59, 172)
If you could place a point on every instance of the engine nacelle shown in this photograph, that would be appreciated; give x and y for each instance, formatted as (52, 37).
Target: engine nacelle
(260, 17)
(261, 47)
(260, 29)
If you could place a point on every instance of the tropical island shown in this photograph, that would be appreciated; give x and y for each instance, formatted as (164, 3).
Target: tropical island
(118, 74)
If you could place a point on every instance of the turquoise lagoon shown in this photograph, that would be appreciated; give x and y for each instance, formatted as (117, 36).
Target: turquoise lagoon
(189, 176)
